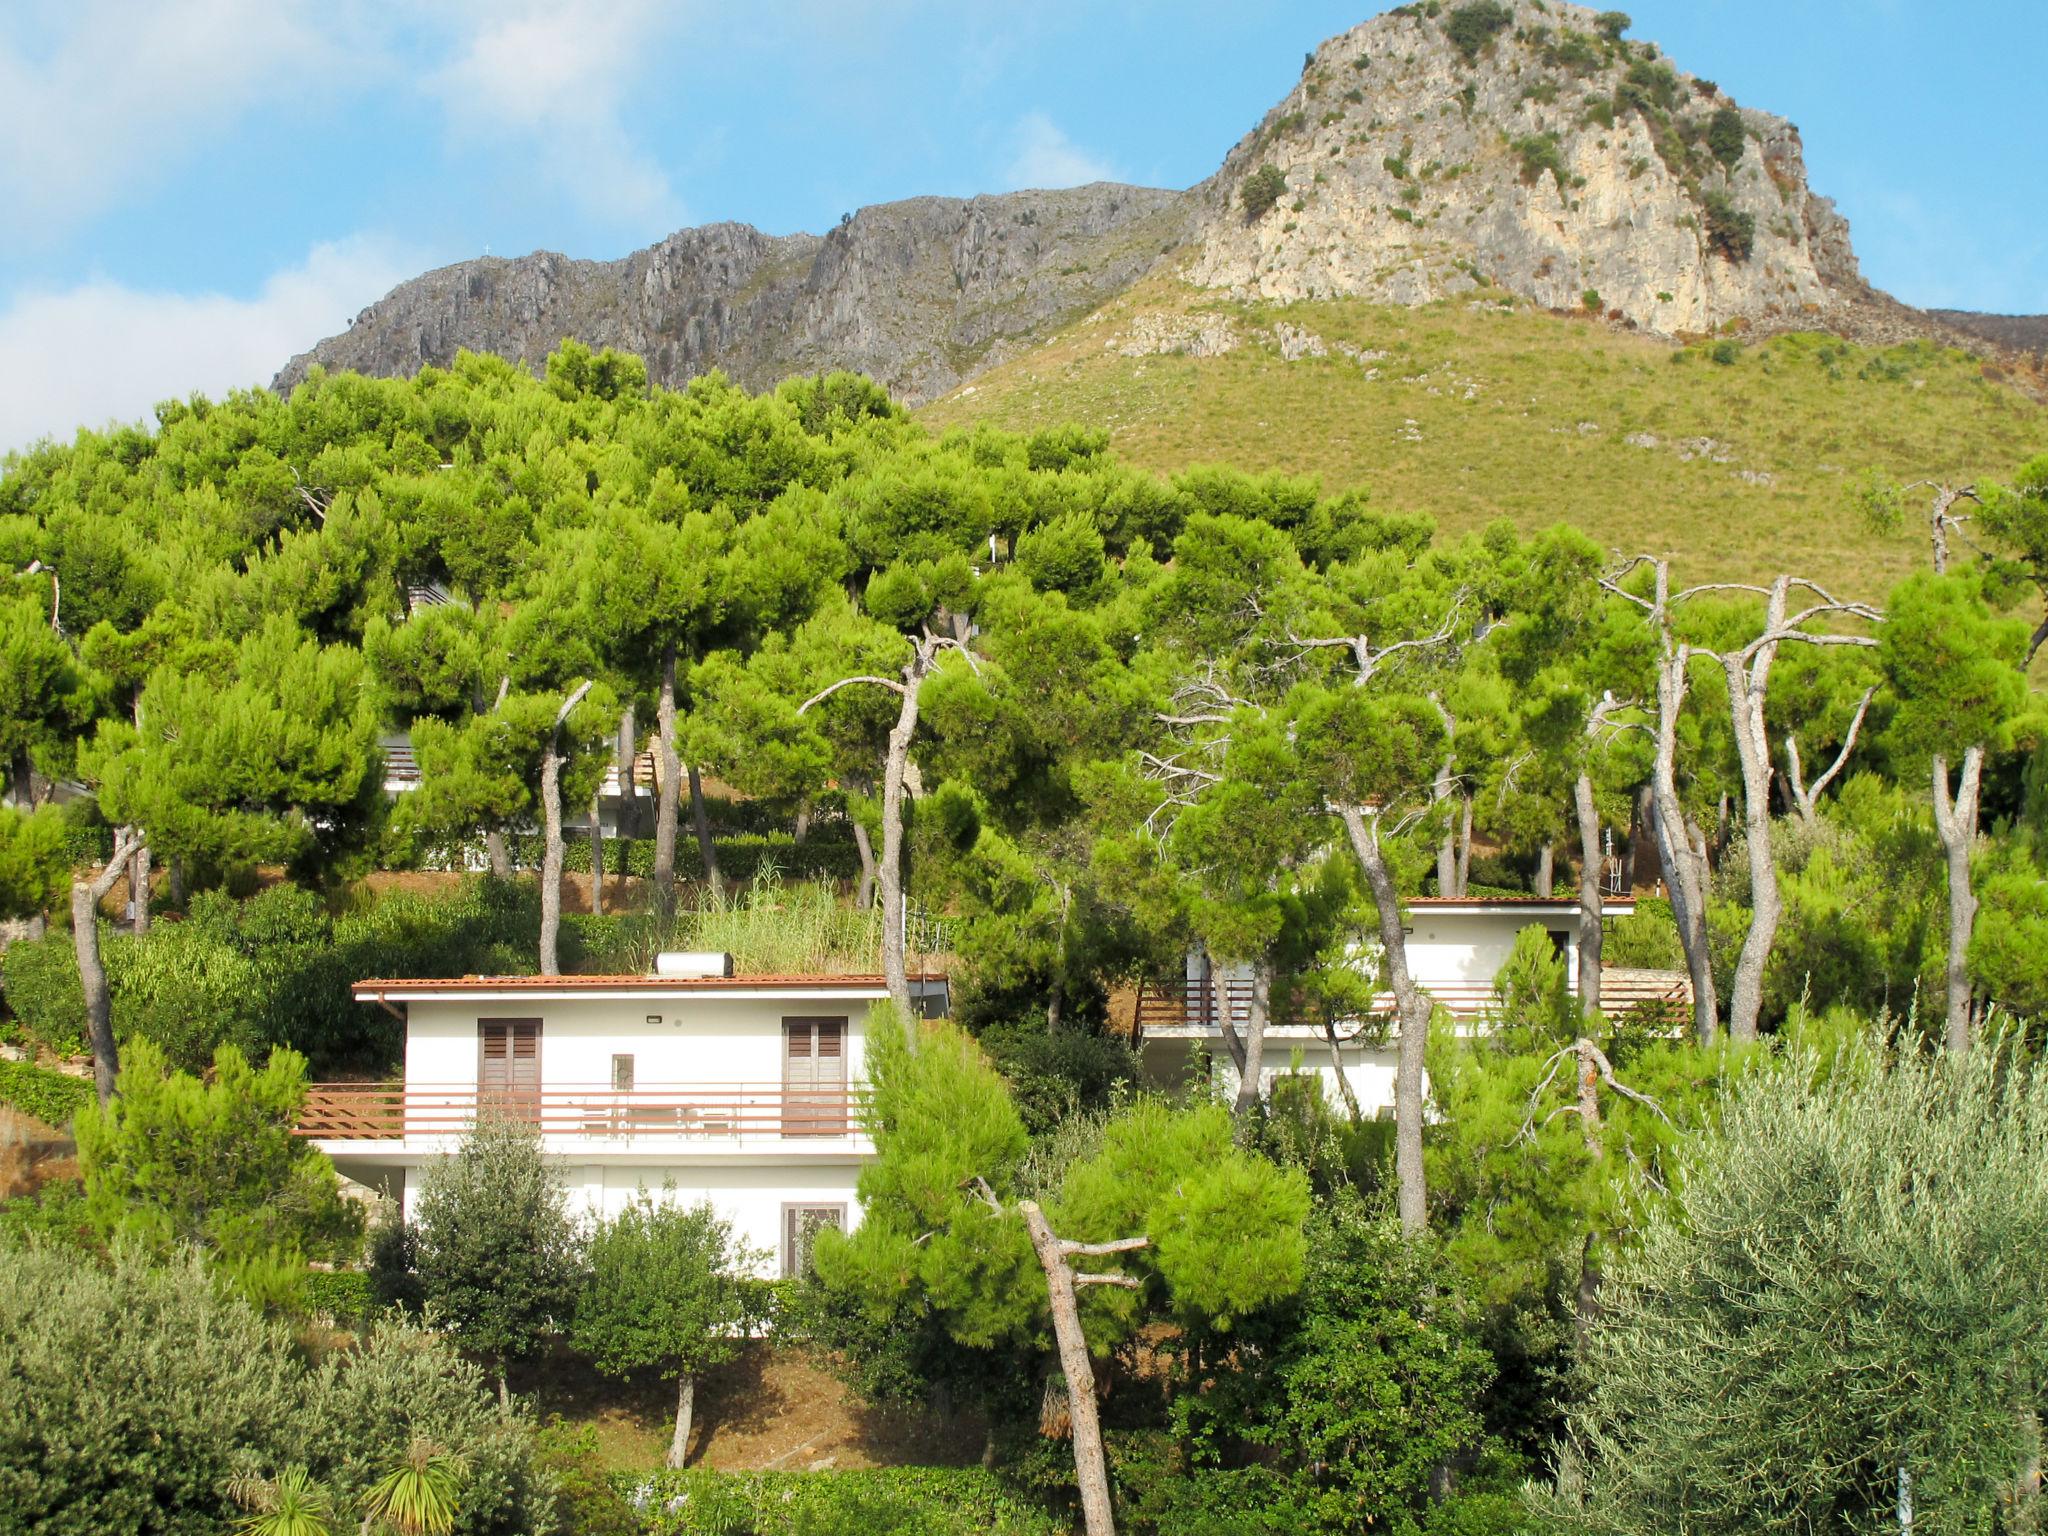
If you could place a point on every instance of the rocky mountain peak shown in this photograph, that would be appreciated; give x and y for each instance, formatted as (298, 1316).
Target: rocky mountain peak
(1531, 146)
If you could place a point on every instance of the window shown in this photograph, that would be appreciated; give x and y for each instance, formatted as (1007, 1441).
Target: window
(800, 1227)
(622, 1074)
(814, 1077)
(508, 1066)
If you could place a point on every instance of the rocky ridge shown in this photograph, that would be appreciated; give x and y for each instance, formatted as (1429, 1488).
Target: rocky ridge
(1488, 148)
(920, 294)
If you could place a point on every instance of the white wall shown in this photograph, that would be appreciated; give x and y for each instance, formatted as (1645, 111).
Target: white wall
(1473, 946)
(1169, 1062)
(702, 1042)
(751, 1196)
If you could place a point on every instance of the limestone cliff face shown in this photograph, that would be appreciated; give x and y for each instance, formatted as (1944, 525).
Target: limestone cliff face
(1438, 150)
(1550, 160)
(919, 293)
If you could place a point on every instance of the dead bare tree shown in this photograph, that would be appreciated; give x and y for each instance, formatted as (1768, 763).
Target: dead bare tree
(87, 892)
(1955, 823)
(1585, 807)
(1806, 797)
(1062, 1285)
(925, 651)
(1748, 671)
(1592, 1070)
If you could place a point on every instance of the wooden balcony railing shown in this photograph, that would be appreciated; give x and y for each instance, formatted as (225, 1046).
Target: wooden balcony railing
(696, 1112)
(1205, 1004)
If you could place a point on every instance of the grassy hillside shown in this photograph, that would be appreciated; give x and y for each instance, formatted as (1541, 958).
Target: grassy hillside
(1735, 459)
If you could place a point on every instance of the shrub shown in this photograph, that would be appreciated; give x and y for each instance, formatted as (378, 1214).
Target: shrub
(497, 1251)
(1590, 299)
(1540, 152)
(1725, 137)
(1261, 191)
(1730, 231)
(1611, 24)
(1471, 26)
(1726, 353)
(883, 1501)
(1861, 1248)
(129, 1394)
(50, 1097)
(175, 1161)
(345, 1295)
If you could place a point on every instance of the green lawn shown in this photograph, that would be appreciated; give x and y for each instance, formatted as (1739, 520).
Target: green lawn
(1476, 412)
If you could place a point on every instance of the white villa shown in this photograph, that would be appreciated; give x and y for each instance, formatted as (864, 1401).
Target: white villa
(735, 1089)
(1456, 946)
(742, 1089)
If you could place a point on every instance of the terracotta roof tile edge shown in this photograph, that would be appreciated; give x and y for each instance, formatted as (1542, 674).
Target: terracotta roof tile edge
(700, 983)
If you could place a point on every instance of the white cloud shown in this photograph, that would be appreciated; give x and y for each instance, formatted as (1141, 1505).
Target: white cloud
(99, 96)
(556, 76)
(1046, 157)
(104, 352)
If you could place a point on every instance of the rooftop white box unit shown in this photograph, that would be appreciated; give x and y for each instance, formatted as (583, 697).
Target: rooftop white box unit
(705, 962)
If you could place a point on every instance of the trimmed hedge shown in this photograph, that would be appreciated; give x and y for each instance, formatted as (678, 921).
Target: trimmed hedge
(878, 1501)
(51, 1097)
(827, 854)
(342, 1294)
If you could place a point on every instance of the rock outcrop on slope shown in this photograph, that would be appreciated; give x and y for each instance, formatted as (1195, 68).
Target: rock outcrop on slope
(920, 294)
(1440, 149)
(1519, 146)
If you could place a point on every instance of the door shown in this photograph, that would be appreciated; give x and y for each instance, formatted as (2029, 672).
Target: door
(508, 1068)
(814, 1077)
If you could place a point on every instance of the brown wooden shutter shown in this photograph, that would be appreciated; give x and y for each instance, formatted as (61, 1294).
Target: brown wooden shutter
(508, 1069)
(814, 1077)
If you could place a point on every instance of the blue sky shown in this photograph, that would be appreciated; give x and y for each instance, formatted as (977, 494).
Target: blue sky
(192, 190)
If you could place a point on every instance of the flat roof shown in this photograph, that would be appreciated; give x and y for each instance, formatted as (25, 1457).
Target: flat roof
(1515, 903)
(376, 989)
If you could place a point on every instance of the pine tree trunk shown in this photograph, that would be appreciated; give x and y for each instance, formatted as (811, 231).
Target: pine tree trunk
(1748, 687)
(140, 882)
(1682, 866)
(893, 967)
(1252, 1069)
(686, 1403)
(865, 896)
(803, 821)
(1091, 1473)
(700, 818)
(1955, 822)
(551, 856)
(628, 822)
(500, 854)
(1412, 1009)
(504, 1391)
(1590, 902)
(1464, 867)
(86, 896)
(175, 885)
(597, 857)
(667, 788)
(1546, 871)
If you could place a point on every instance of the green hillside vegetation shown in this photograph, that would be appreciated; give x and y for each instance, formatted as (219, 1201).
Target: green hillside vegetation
(1486, 407)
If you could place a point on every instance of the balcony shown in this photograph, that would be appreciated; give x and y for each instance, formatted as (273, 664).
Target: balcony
(1661, 997)
(701, 1114)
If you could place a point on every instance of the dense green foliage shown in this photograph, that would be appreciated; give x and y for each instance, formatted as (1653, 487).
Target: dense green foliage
(1844, 1286)
(886, 1501)
(130, 1396)
(1262, 189)
(494, 1248)
(177, 1161)
(51, 1097)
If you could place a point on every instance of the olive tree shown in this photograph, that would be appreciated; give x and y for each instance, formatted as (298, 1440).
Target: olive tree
(665, 1289)
(1841, 1303)
(497, 1254)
